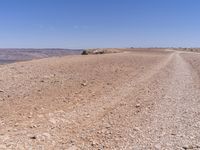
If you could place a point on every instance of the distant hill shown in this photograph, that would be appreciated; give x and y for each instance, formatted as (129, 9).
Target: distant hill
(13, 55)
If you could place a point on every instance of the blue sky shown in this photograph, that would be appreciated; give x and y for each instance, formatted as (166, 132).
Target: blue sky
(99, 23)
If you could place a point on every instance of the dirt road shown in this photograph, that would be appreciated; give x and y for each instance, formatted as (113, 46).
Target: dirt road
(131, 100)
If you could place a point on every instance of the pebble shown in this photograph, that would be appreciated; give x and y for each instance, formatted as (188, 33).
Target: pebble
(158, 146)
(16, 124)
(94, 143)
(137, 105)
(33, 137)
(136, 129)
(33, 126)
(190, 147)
(84, 84)
(173, 134)
(108, 126)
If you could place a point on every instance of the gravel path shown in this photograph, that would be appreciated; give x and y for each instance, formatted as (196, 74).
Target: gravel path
(174, 123)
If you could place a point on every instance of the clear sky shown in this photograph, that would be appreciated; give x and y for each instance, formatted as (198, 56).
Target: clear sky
(99, 23)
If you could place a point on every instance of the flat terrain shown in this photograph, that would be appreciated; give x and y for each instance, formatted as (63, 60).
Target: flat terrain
(137, 99)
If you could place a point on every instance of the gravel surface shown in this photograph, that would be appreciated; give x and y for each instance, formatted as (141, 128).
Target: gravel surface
(130, 100)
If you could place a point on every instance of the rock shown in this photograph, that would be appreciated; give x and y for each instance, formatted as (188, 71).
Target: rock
(84, 84)
(99, 51)
(173, 134)
(137, 105)
(186, 147)
(33, 137)
(158, 146)
(190, 147)
(29, 116)
(33, 126)
(85, 52)
(136, 129)
(16, 124)
(1, 91)
(94, 143)
(108, 126)
(87, 115)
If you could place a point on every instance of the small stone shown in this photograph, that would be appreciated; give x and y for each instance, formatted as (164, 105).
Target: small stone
(191, 147)
(185, 147)
(137, 105)
(33, 137)
(16, 124)
(1, 91)
(94, 143)
(85, 52)
(173, 133)
(188, 147)
(136, 129)
(33, 126)
(84, 84)
(87, 115)
(158, 146)
(108, 126)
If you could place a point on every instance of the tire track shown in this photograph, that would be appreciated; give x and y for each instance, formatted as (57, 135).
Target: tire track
(175, 122)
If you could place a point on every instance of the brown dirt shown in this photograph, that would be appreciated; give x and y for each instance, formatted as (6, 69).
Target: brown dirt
(131, 100)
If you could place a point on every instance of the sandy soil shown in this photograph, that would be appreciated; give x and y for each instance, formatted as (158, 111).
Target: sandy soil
(138, 100)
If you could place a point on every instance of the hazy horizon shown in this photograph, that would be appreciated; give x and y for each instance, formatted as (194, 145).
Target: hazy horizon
(46, 48)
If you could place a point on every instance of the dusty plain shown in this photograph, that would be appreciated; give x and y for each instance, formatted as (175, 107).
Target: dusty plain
(137, 99)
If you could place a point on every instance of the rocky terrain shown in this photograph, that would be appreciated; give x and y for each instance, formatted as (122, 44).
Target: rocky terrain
(101, 51)
(132, 100)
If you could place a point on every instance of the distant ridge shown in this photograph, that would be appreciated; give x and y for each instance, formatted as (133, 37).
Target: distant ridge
(9, 55)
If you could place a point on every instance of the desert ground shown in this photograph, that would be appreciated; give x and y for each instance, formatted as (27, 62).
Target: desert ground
(145, 99)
